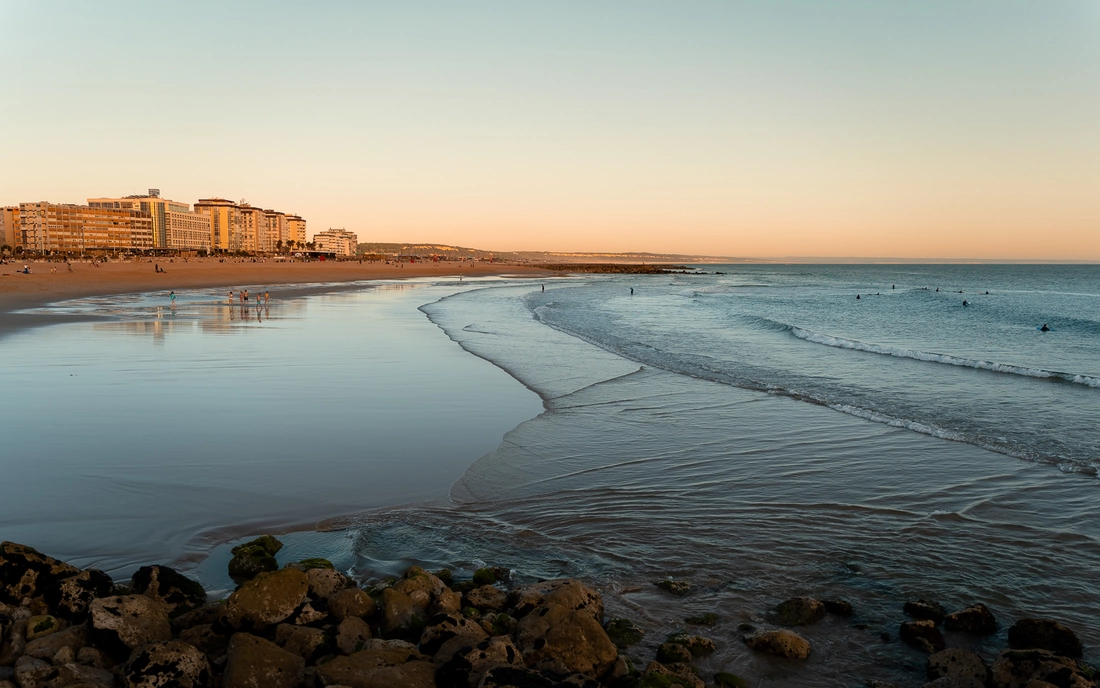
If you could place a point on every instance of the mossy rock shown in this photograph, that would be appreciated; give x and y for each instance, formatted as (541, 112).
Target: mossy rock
(659, 681)
(696, 644)
(708, 619)
(268, 543)
(674, 587)
(724, 679)
(317, 563)
(672, 653)
(503, 624)
(250, 561)
(39, 626)
(484, 576)
(471, 613)
(464, 587)
(623, 632)
(445, 575)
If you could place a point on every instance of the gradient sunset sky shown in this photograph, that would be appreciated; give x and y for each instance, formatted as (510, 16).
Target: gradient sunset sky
(929, 128)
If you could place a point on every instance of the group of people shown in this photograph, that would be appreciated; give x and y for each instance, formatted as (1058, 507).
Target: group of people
(243, 296)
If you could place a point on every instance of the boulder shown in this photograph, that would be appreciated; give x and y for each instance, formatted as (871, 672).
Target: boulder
(315, 563)
(947, 682)
(925, 610)
(24, 572)
(1016, 668)
(352, 635)
(324, 583)
(70, 597)
(255, 557)
(468, 665)
(33, 673)
(207, 638)
(487, 598)
(402, 615)
(74, 675)
(253, 662)
(207, 614)
(46, 647)
(977, 619)
(659, 675)
(179, 593)
(447, 602)
(515, 677)
(266, 600)
(698, 645)
(444, 627)
(93, 656)
(799, 611)
(957, 664)
(670, 653)
(382, 664)
(782, 643)
(308, 643)
(1044, 634)
(41, 626)
(565, 640)
(351, 602)
(841, 608)
(623, 632)
(125, 622)
(678, 588)
(566, 592)
(922, 635)
(307, 614)
(417, 580)
(166, 663)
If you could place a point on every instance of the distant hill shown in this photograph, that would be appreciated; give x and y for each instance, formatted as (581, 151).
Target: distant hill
(459, 253)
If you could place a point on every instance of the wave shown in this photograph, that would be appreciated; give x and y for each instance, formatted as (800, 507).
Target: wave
(947, 359)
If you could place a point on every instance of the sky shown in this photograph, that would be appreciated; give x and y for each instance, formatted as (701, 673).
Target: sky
(920, 129)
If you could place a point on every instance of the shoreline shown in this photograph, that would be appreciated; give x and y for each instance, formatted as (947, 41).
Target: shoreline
(41, 288)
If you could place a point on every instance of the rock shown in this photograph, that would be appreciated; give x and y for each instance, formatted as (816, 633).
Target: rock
(317, 563)
(1044, 634)
(922, 635)
(255, 557)
(623, 632)
(783, 643)
(724, 679)
(487, 598)
(841, 608)
(24, 572)
(207, 614)
(307, 643)
(92, 656)
(207, 638)
(957, 663)
(674, 587)
(352, 635)
(579, 681)
(125, 622)
(565, 592)
(515, 677)
(977, 619)
(33, 673)
(383, 664)
(417, 579)
(166, 663)
(66, 655)
(622, 673)
(447, 602)
(324, 583)
(499, 624)
(402, 616)
(351, 602)
(707, 619)
(925, 610)
(799, 611)
(484, 576)
(565, 641)
(669, 653)
(698, 645)
(40, 626)
(253, 662)
(1016, 668)
(46, 647)
(444, 627)
(658, 675)
(14, 642)
(69, 598)
(307, 614)
(266, 600)
(468, 665)
(179, 593)
(947, 682)
(73, 675)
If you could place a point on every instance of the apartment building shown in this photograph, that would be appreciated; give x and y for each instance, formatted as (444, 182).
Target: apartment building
(70, 228)
(10, 235)
(296, 229)
(174, 225)
(338, 241)
(225, 222)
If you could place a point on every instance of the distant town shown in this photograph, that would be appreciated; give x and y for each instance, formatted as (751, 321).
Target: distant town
(150, 224)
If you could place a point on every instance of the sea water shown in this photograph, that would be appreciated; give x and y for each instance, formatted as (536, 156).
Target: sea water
(755, 430)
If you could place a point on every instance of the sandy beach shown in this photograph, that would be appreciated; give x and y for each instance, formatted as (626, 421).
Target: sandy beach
(20, 291)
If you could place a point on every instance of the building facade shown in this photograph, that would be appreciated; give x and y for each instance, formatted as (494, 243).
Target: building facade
(10, 235)
(296, 229)
(339, 241)
(174, 225)
(225, 223)
(67, 228)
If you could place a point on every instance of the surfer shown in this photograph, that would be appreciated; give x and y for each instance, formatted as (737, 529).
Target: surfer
(965, 302)
(1044, 328)
(632, 291)
(857, 297)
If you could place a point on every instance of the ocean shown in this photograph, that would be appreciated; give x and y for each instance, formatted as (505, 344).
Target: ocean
(755, 430)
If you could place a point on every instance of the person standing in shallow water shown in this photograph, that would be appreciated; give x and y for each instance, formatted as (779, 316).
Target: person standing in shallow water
(632, 291)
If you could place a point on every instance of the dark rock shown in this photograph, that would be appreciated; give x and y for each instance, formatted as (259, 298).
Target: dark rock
(179, 593)
(266, 600)
(33, 673)
(468, 665)
(564, 592)
(446, 602)
(351, 602)
(658, 675)
(253, 662)
(698, 645)
(977, 619)
(324, 583)
(623, 632)
(352, 635)
(445, 575)
(841, 608)
(484, 576)
(24, 572)
(69, 598)
(444, 627)
(207, 639)
(565, 641)
(125, 622)
(799, 611)
(724, 679)
(166, 663)
(383, 664)
(402, 616)
(707, 619)
(959, 664)
(46, 647)
(255, 557)
(487, 598)
(925, 610)
(500, 624)
(783, 643)
(669, 653)
(1044, 634)
(308, 643)
(307, 614)
(93, 656)
(922, 635)
(947, 682)
(515, 677)
(1016, 668)
(206, 614)
(674, 587)
(75, 675)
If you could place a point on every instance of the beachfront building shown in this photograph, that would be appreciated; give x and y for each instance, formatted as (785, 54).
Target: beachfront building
(276, 228)
(338, 241)
(67, 228)
(296, 229)
(225, 222)
(174, 225)
(253, 229)
(9, 227)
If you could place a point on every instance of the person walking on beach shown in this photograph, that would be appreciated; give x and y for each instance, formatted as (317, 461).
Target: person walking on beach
(172, 296)
(230, 297)
(267, 297)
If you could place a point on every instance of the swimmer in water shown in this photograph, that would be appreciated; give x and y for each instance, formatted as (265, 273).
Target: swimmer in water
(965, 302)
(857, 297)
(1044, 328)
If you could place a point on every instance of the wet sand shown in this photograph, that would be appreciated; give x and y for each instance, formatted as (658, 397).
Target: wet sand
(41, 287)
